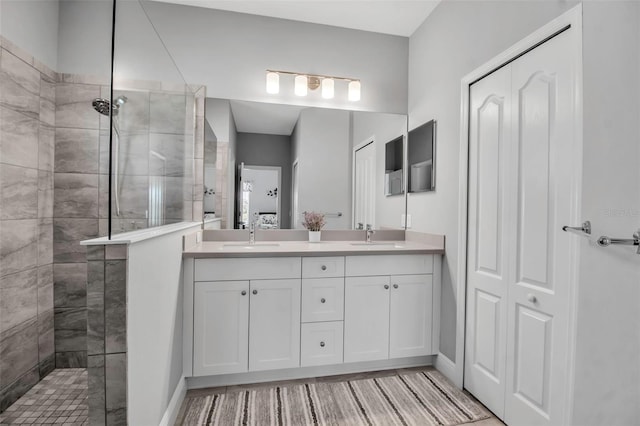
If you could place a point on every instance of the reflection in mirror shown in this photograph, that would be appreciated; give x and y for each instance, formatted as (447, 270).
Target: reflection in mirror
(210, 172)
(421, 158)
(394, 161)
(274, 162)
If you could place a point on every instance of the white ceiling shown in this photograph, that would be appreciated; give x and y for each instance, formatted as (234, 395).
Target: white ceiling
(268, 119)
(396, 17)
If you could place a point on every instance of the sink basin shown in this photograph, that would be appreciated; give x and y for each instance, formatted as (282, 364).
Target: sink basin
(376, 243)
(250, 246)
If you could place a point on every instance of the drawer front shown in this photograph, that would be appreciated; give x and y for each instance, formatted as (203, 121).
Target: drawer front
(247, 269)
(394, 264)
(319, 267)
(321, 343)
(322, 299)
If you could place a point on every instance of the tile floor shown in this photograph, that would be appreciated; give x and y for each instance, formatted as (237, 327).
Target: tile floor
(60, 399)
(493, 421)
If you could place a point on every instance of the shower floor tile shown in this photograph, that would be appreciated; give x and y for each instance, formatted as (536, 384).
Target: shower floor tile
(60, 398)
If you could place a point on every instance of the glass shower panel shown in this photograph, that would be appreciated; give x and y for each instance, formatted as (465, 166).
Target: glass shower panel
(152, 128)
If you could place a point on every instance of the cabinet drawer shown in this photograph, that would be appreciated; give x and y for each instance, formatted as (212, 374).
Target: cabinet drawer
(321, 343)
(398, 264)
(247, 269)
(319, 267)
(322, 299)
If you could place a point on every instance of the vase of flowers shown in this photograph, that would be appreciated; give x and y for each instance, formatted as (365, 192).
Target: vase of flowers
(313, 222)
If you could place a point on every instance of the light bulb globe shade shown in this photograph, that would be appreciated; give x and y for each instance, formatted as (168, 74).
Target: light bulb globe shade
(273, 82)
(327, 88)
(354, 91)
(300, 87)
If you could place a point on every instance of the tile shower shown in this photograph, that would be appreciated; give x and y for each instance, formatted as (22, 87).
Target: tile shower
(54, 177)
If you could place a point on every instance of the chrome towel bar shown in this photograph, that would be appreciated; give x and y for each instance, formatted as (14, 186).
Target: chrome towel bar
(338, 214)
(605, 241)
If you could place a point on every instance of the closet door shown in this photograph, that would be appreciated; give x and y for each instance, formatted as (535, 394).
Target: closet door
(490, 200)
(543, 84)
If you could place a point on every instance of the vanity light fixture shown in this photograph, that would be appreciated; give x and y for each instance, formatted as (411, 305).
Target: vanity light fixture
(303, 83)
(273, 82)
(327, 88)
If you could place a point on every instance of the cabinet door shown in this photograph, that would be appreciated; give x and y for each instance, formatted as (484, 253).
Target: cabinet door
(274, 330)
(410, 318)
(221, 327)
(366, 319)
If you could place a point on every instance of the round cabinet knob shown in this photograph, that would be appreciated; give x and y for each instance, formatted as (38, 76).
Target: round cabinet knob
(322, 344)
(532, 298)
(255, 291)
(386, 287)
(323, 300)
(323, 267)
(244, 293)
(395, 286)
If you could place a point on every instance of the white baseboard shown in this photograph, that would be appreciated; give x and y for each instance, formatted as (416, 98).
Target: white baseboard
(305, 372)
(447, 368)
(171, 414)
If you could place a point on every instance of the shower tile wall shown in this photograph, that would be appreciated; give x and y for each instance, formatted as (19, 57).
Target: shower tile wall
(75, 210)
(27, 120)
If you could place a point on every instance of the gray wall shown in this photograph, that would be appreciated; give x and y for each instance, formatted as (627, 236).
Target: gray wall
(27, 120)
(607, 371)
(241, 47)
(269, 150)
(85, 36)
(33, 26)
(324, 164)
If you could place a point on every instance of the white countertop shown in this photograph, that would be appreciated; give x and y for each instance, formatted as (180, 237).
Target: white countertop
(303, 248)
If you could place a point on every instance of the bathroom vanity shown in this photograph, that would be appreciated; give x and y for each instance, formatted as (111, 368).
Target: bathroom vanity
(287, 309)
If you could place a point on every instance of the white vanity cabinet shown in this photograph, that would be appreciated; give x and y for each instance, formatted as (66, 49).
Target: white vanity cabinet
(325, 313)
(388, 316)
(243, 323)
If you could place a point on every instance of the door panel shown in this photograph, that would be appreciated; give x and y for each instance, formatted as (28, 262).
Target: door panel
(221, 327)
(543, 134)
(274, 324)
(366, 318)
(536, 100)
(532, 354)
(489, 144)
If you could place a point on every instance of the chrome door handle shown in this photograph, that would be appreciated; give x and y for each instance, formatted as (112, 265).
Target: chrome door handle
(322, 344)
(386, 286)
(255, 291)
(532, 298)
(323, 267)
(395, 286)
(244, 292)
(323, 300)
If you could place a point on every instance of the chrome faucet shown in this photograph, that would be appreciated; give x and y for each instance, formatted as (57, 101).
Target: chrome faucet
(252, 232)
(370, 232)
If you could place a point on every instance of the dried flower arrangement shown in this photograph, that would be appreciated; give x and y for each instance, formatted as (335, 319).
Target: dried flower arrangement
(313, 221)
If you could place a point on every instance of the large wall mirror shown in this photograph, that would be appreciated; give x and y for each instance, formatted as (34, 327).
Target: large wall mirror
(269, 163)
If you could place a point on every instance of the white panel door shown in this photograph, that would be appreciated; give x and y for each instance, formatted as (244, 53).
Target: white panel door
(221, 327)
(366, 318)
(520, 195)
(365, 186)
(487, 262)
(410, 317)
(543, 142)
(274, 324)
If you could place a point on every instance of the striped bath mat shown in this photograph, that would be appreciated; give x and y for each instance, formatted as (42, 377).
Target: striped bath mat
(420, 398)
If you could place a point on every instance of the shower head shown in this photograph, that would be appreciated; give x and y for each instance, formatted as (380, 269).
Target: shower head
(103, 105)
